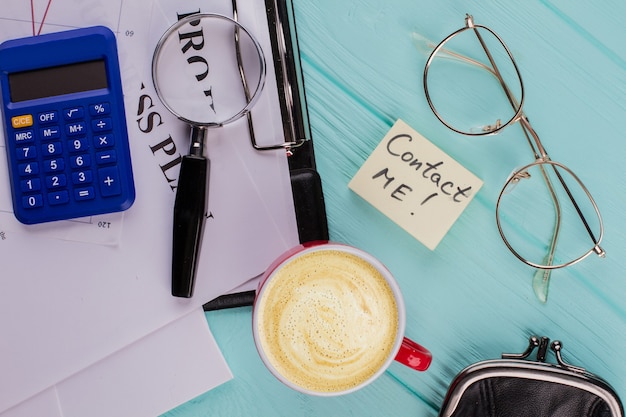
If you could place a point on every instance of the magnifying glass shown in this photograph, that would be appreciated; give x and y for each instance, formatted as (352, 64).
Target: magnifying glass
(208, 70)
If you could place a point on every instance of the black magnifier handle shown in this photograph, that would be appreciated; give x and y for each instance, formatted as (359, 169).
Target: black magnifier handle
(189, 215)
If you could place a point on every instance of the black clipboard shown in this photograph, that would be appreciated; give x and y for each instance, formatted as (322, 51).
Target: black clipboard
(306, 184)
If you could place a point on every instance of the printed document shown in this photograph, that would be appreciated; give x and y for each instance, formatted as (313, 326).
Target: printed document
(75, 294)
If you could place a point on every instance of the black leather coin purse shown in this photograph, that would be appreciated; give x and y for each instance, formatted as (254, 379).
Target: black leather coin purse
(515, 386)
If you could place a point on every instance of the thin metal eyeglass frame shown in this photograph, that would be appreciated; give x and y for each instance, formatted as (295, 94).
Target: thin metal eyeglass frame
(542, 160)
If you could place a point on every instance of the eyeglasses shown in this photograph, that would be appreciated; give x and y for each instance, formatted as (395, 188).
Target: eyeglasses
(543, 203)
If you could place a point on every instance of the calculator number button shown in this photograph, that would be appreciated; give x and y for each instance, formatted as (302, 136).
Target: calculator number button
(31, 184)
(26, 152)
(32, 201)
(31, 168)
(56, 181)
(52, 149)
(78, 144)
(80, 161)
(54, 165)
(82, 177)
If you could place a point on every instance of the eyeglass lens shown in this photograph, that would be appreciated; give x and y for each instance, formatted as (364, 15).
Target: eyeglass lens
(463, 84)
(538, 220)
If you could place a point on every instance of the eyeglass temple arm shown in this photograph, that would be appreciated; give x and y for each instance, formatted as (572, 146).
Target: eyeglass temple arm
(541, 278)
(597, 249)
(426, 46)
(540, 149)
(469, 21)
(537, 147)
(540, 152)
(528, 129)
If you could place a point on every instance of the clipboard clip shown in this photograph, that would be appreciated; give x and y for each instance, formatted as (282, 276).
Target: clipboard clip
(287, 119)
(287, 146)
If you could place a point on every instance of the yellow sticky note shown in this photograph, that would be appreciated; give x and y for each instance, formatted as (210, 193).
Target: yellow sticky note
(415, 184)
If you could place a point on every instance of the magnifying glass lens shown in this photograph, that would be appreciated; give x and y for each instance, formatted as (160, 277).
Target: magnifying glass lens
(208, 70)
(198, 66)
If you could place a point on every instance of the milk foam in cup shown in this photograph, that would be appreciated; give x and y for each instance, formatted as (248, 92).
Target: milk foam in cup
(329, 318)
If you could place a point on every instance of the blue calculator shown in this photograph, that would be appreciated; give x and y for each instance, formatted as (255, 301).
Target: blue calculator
(65, 127)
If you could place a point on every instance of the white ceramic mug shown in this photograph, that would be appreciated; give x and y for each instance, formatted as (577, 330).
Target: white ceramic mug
(329, 319)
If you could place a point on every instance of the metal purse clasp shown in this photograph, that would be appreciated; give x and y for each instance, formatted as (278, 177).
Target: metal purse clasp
(542, 344)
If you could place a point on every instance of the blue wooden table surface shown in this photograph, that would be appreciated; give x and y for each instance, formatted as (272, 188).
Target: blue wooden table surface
(470, 299)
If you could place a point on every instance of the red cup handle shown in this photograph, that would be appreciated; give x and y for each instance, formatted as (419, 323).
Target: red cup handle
(414, 355)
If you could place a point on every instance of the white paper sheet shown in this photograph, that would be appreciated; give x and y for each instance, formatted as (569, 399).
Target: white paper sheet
(65, 305)
(147, 378)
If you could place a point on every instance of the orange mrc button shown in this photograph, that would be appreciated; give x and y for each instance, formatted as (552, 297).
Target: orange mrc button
(25, 120)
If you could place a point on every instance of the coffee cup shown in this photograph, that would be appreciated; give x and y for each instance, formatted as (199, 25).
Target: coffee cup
(328, 319)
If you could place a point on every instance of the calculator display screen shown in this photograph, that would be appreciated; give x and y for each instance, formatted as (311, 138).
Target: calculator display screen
(57, 81)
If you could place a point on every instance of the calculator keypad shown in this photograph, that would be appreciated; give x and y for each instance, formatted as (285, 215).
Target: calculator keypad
(65, 126)
(67, 156)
